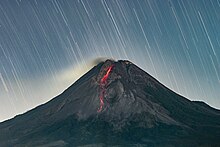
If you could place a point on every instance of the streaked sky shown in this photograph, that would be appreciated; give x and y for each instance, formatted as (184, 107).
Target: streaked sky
(45, 45)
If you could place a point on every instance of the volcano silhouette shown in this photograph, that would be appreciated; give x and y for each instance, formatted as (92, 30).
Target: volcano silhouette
(115, 104)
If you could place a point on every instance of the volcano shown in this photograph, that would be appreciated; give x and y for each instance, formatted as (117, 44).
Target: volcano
(115, 104)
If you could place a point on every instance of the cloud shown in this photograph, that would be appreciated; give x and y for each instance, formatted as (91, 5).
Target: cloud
(71, 74)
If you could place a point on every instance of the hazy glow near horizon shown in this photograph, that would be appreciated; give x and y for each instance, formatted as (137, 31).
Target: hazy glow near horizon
(46, 45)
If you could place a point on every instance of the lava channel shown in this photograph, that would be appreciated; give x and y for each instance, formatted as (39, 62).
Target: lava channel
(103, 83)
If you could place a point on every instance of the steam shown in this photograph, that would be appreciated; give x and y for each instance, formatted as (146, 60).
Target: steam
(71, 74)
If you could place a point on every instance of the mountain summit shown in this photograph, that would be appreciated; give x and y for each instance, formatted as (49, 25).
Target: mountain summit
(117, 104)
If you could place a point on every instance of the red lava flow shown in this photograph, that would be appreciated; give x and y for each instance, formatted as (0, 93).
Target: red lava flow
(102, 87)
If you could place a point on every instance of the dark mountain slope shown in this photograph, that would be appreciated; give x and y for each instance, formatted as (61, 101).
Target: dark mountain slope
(115, 103)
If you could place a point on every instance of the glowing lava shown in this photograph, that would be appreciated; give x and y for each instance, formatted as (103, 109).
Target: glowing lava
(103, 83)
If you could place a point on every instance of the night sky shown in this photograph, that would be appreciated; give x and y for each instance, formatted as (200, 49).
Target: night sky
(45, 45)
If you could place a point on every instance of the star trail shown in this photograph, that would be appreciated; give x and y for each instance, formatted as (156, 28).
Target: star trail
(46, 45)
